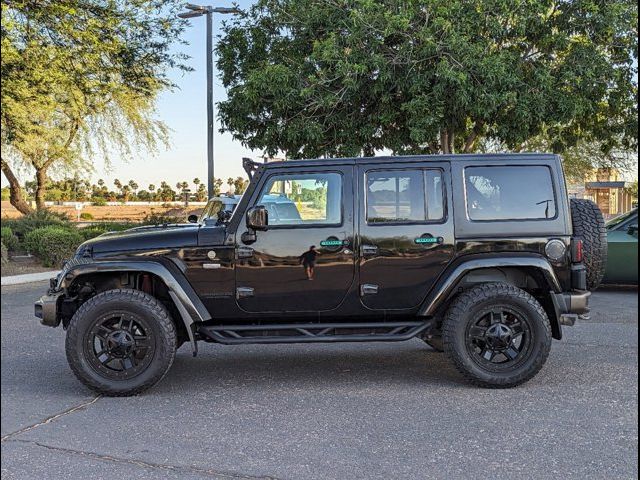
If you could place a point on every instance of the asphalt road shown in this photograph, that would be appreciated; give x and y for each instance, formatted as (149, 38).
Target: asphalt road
(344, 411)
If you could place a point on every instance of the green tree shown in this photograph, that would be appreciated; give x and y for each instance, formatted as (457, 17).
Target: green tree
(78, 76)
(217, 184)
(351, 77)
(240, 185)
(201, 193)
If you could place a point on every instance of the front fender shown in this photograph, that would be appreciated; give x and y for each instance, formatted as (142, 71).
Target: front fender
(449, 280)
(191, 308)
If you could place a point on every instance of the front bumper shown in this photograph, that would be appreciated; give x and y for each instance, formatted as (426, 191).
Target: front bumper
(47, 308)
(570, 305)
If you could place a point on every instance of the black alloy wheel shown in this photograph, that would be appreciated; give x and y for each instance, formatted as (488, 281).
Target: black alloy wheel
(498, 338)
(119, 345)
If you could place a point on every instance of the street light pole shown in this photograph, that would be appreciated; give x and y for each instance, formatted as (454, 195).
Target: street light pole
(210, 121)
(197, 11)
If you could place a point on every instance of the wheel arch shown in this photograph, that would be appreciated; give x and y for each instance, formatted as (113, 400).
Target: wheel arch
(113, 274)
(529, 272)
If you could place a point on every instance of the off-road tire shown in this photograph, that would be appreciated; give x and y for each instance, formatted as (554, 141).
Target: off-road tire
(589, 225)
(141, 304)
(468, 305)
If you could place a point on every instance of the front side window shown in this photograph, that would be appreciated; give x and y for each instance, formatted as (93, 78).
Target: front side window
(510, 193)
(404, 196)
(303, 199)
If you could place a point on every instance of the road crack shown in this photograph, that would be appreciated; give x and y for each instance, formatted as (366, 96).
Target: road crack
(146, 464)
(51, 418)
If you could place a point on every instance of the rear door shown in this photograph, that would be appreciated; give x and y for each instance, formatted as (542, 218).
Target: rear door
(406, 232)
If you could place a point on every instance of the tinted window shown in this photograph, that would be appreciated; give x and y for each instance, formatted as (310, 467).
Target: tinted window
(399, 196)
(303, 199)
(509, 193)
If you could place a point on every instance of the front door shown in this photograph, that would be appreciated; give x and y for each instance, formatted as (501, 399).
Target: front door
(406, 232)
(305, 260)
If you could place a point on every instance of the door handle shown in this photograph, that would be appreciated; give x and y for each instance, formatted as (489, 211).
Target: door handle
(428, 239)
(369, 249)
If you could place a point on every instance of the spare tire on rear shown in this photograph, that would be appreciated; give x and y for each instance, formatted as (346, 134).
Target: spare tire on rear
(588, 224)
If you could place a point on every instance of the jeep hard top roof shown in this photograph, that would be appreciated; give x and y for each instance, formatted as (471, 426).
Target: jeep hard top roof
(408, 158)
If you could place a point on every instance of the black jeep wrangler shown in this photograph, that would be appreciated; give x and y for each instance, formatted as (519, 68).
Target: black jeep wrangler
(481, 256)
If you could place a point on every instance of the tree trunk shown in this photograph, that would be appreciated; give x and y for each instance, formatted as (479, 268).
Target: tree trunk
(15, 195)
(444, 141)
(41, 185)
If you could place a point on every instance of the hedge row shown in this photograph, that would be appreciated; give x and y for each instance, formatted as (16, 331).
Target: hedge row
(52, 244)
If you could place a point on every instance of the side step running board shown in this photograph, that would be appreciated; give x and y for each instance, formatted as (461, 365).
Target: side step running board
(314, 332)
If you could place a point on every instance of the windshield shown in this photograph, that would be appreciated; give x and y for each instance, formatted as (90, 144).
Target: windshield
(613, 223)
(210, 210)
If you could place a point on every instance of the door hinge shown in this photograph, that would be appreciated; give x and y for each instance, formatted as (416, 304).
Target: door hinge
(368, 289)
(244, 292)
(244, 252)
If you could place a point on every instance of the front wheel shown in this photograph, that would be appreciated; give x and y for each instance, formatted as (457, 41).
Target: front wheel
(497, 335)
(121, 342)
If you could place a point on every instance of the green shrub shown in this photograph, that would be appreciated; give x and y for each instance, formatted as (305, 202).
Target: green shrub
(53, 244)
(38, 219)
(98, 202)
(9, 239)
(4, 253)
(86, 216)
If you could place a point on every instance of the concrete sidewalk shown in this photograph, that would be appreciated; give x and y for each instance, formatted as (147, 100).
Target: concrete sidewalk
(27, 278)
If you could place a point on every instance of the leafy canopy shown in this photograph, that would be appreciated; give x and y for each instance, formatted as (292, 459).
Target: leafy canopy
(343, 77)
(83, 74)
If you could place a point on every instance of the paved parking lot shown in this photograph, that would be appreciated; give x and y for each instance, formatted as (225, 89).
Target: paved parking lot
(344, 411)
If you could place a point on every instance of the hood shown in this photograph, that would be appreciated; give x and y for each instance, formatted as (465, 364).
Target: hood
(146, 238)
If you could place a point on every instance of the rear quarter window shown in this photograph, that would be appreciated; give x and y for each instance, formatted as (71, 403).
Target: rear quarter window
(509, 193)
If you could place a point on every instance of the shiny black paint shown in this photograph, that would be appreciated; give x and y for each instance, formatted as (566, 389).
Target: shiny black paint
(161, 237)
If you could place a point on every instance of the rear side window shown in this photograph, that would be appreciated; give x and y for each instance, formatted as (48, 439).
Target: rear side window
(404, 196)
(510, 193)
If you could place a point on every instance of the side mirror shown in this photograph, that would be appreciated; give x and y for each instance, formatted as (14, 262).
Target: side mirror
(632, 229)
(257, 218)
(192, 218)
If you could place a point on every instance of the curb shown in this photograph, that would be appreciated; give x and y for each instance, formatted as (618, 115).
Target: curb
(27, 278)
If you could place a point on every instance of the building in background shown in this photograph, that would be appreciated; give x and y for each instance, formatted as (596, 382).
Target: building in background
(607, 188)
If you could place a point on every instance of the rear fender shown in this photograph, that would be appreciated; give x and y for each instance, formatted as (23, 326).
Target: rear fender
(453, 276)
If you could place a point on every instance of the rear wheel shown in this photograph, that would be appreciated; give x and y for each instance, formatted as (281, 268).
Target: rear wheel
(121, 342)
(497, 335)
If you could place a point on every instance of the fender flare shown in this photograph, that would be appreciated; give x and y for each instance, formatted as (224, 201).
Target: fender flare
(451, 276)
(189, 305)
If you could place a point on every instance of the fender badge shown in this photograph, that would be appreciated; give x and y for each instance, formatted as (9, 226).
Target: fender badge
(211, 254)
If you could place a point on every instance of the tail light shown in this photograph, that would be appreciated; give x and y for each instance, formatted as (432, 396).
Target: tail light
(577, 254)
